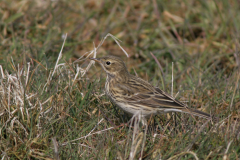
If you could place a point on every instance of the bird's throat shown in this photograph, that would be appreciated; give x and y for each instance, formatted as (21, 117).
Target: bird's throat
(119, 77)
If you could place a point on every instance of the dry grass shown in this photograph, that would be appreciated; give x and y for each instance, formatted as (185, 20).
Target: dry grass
(52, 102)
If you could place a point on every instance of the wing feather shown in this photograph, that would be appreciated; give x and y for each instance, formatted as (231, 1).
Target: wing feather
(140, 93)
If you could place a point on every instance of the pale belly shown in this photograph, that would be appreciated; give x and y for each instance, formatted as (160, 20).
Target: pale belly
(131, 109)
(136, 109)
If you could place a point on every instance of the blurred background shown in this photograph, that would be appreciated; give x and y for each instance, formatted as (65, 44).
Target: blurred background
(195, 35)
(202, 32)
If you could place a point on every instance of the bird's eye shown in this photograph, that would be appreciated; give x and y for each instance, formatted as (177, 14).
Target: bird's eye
(108, 63)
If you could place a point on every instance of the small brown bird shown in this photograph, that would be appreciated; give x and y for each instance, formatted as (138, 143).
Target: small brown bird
(135, 95)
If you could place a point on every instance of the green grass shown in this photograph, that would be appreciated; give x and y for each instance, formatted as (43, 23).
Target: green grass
(64, 114)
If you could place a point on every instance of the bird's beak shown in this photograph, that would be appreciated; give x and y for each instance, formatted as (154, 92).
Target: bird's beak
(95, 59)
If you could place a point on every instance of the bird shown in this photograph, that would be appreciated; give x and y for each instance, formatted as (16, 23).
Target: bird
(134, 95)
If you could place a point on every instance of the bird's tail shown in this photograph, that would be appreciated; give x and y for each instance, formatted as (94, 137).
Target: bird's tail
(197, 113)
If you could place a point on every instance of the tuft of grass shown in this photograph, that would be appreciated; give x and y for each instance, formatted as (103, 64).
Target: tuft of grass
(52, 102)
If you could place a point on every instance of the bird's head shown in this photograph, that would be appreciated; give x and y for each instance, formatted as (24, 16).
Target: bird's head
(112, 65)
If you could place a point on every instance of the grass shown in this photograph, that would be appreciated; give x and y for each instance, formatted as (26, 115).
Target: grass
(53, 108)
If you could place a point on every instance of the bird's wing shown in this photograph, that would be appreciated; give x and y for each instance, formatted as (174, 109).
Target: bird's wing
(145, 96)
(140, 92)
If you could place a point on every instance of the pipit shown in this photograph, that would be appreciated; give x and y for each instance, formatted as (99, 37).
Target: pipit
(135, 95)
